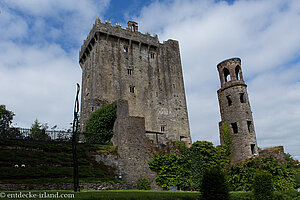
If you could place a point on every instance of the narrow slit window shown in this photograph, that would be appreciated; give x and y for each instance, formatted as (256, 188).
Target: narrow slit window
(129, 71)
(125, 49)
(242, 98)
(234, 127)
(249, 124)
(163, 128)
(131, 89)
(152, 55)
(229, 101)
(252, 149)
(226, 75)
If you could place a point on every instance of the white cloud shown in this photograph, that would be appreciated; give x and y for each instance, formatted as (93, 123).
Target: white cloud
(264, 34)
(39, 47)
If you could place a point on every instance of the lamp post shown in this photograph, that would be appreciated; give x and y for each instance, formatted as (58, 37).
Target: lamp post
(74, 142)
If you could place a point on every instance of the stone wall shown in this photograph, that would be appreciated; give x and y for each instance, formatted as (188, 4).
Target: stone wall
(126, 64)
(277, 152)
(65, 186)
(134, 148)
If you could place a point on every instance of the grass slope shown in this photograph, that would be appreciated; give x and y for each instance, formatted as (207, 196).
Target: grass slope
(50, 163)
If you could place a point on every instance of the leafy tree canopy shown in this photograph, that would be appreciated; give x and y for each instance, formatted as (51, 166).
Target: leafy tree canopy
(6, 117)
(100, 124)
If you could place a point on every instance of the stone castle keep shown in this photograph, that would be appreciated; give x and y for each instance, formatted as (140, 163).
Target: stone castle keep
(236, 111)
(125, 64)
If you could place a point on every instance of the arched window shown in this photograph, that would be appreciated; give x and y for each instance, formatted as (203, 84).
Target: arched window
(237, 72)
(226, 74)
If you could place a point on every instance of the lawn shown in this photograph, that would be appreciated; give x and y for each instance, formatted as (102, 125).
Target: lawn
(112, 194)
(142, 194)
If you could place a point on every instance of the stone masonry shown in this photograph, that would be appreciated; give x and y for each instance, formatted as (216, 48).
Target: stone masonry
(125, 64)
(236, 111)
(135, 150)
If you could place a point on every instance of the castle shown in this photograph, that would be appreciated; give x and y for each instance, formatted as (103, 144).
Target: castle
(125, 64)
(145, 77)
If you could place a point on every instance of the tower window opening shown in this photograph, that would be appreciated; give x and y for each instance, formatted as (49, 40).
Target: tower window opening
(129, 71)
(249, 124)
(234, 127)
(163, 128)
(237, 72)
(242, 98)
(125, 49)
(226, 74)
(229, 101)
(92, 109)
(252, 149)
(131, 89)
(152, 55)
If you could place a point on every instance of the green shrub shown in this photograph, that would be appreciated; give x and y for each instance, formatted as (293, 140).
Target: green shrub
(99, 127)
(214, 185)
(262, 186)
(241, 176)
(171, 170)
(143, 184)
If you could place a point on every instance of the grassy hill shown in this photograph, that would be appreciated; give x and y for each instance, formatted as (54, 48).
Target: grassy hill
(50, 163)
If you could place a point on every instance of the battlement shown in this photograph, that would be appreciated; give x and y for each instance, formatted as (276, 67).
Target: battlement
(131, 33)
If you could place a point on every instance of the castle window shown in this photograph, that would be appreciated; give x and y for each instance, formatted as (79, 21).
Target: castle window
(234, 127)
(92, 109)
(229, 100)
(163, 128)
(237, 72)
(129, 71)
(242, 98)
(131, 89)
(226, 74)
(252, 149)
(152, 55)
(249, 124)
(125, 49)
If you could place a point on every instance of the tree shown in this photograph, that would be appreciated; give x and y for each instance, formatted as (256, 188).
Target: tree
(100, 124)
(214, 185)
(6, 118)
(38, 131)
(262, 186)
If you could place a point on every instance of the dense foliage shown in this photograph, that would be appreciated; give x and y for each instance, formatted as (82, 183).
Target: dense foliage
(143, 184)
(186, 169)
(100, 124)
(241, 176)
(171, 170)
(6, 118)
(262, 186)
(214, 185)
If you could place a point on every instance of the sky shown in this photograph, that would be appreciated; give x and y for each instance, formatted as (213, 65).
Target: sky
(40, 43)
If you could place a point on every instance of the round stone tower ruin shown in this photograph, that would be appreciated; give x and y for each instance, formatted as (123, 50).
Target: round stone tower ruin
(236, 111)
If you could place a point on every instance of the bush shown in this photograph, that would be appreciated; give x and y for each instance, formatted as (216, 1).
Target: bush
(241, 176)
(143, 184)
(262, 186)
(99, 127)
(214, 185)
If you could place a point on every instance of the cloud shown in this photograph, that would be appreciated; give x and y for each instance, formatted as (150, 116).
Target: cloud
(264, 34)
(39, 47)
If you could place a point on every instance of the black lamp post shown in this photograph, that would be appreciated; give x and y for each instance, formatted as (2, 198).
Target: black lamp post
(74, 142)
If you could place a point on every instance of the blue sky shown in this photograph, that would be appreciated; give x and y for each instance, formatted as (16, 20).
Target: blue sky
(40, 41)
